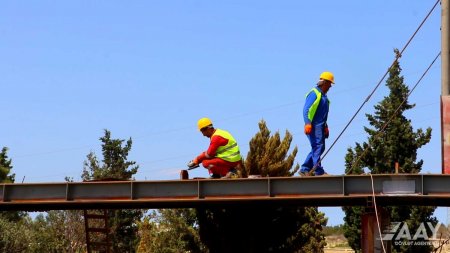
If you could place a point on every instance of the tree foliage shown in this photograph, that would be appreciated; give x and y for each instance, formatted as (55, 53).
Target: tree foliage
(170, 230)
(389, 143)
(268, 155)
(6, 167)
(264, 228)
(15, 236)
(333, 230)
(58, 231)
(6, 176)
(46, 233)
(115, 166)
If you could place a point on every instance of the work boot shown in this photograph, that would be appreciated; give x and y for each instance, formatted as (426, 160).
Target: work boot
(214, 176)
(232, 173)
(303, 174)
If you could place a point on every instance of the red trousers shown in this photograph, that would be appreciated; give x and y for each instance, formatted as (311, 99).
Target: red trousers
(219, 166)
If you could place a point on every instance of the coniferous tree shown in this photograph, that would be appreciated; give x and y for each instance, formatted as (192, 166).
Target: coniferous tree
(397, 143)
(7, 177)
(266, 228)
(5, 167)
(115, 166)
(268, 155)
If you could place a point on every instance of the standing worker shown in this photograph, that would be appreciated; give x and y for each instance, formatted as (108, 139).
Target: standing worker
(222, 155)
(315, 114)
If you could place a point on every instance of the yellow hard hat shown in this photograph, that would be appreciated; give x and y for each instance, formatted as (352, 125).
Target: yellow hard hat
(203, 122)
(327, 76)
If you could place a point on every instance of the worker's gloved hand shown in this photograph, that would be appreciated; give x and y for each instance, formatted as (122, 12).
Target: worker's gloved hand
(308, 129)
(326, 132)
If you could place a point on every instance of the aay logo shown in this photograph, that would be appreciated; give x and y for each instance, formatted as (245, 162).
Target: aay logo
(401, 234)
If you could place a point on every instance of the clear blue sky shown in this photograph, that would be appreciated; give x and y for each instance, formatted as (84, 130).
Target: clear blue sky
(150, 69)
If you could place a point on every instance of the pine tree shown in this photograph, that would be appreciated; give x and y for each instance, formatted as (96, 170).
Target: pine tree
(268, 155)
(265, 228)
(7, 177)
(5, 167)
(397, 143)
(115, 166)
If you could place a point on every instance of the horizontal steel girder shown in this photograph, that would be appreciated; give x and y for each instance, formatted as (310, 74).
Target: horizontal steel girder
(351, 190)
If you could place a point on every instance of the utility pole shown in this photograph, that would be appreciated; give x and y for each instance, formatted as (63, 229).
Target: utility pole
(445, 54)
(445, 84)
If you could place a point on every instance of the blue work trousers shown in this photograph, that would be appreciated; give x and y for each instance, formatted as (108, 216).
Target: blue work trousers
(317, 141)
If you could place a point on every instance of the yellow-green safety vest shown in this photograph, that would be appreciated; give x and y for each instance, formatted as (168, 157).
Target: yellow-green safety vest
(229, 152)
(312, 110)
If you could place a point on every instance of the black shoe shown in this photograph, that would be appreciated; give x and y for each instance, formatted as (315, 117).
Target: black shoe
(215, 176)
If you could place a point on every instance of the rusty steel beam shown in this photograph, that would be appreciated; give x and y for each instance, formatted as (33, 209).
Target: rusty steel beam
(401, 189)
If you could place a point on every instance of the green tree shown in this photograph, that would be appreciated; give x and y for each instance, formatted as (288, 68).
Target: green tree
(115, 166)
(6, 167)
(6, 176)
(57, 231)
(170, 230)
(264, 228)
(333, 230)
(16, 236)
(268, 155)
(398, 142)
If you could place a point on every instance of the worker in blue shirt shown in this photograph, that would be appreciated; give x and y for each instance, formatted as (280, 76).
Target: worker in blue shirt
(315, 114)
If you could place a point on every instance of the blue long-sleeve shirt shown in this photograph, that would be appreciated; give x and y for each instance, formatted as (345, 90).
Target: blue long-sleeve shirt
(321, 115)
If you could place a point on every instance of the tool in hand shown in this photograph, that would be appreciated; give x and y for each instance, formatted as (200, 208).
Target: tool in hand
(184, 173)
(191, 165)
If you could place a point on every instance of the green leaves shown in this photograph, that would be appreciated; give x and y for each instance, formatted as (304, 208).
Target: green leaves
(170, 230)
(115, 166)
(5, 167)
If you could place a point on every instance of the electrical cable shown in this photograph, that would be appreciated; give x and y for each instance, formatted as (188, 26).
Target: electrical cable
(376, 87)
(376, 213)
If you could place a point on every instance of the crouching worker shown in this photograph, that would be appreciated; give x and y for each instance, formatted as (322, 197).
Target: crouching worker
(222, 156)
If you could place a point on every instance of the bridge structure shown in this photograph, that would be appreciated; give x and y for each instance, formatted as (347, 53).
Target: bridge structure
(348, 190)
(371, 191)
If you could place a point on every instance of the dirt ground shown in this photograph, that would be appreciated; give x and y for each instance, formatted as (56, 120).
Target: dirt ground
(337, 244)
(338, 250)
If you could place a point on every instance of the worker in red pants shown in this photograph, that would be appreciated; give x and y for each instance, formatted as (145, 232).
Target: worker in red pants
(222, 156)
